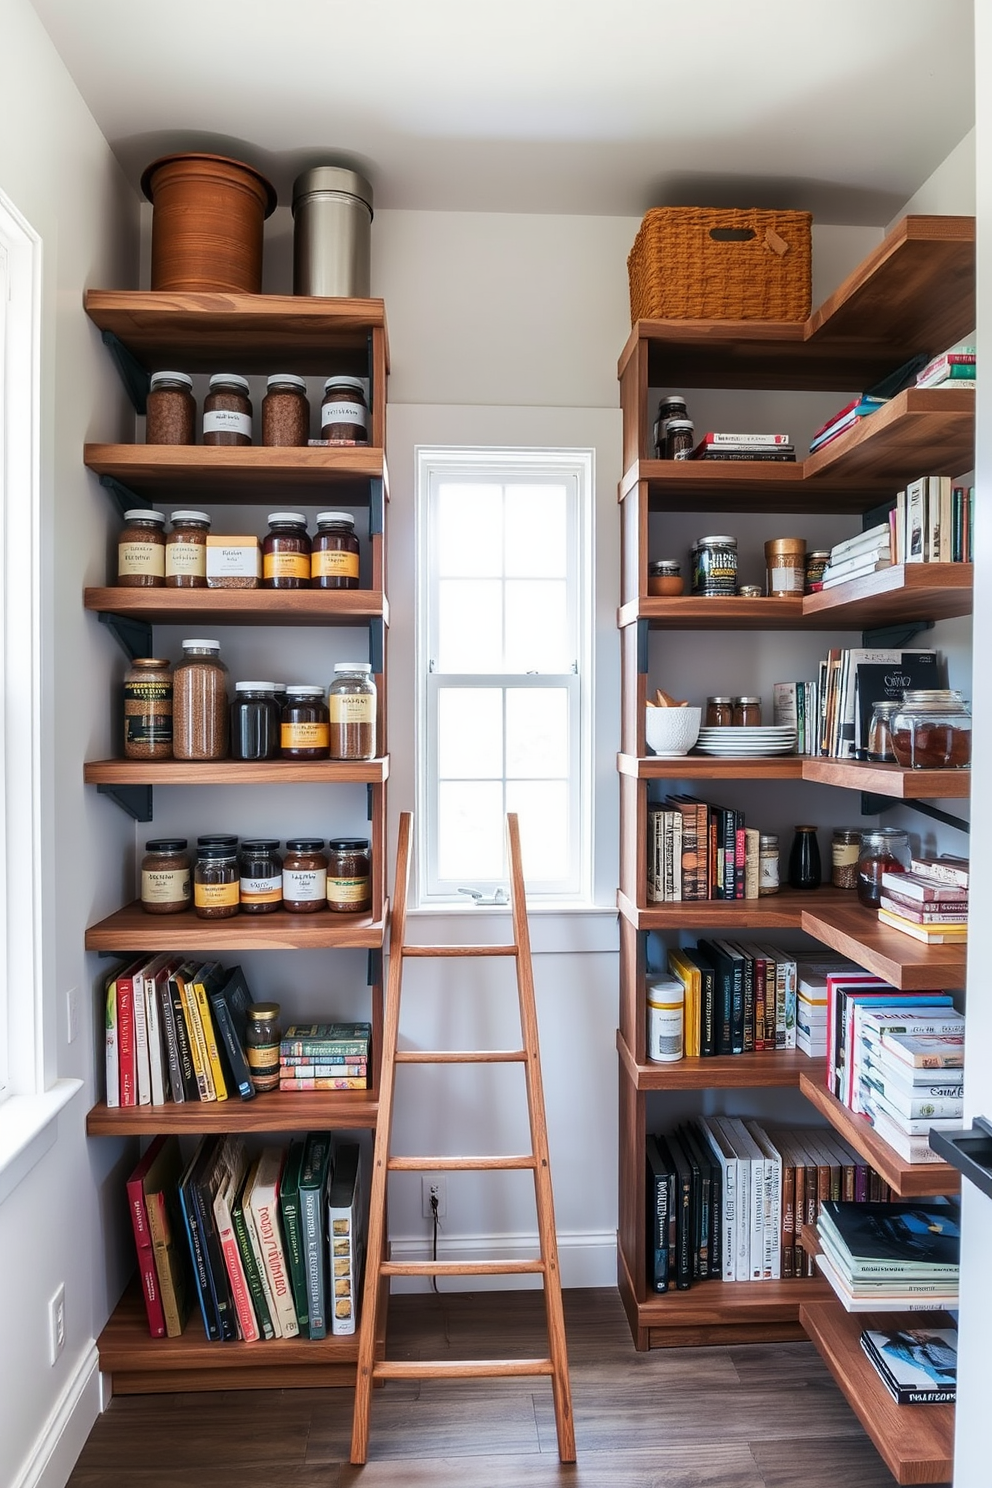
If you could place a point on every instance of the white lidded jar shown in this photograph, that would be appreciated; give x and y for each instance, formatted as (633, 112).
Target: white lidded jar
(666, 1016)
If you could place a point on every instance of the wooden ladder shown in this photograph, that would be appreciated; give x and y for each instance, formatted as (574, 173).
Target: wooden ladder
(378, 1267)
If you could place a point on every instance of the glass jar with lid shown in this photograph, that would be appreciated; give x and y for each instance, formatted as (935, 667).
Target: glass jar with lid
(714, 565)
(845, 849)
(262, 1039)
(719, 712)
(165, 878)
(679, 439)
(260, 876)
(785, 567)
(199, 703)
(931, 730)
(186, 551)
(304, 733)
(255, 721)
(285, 410)
(170, 409)
(747, 712)
(804, 860)
(669, 407)
(286, 552)
(334, 552)
(344, 413)
(148, 709)
(216, 894)
(141, 550)
(666, 1020)
(304, 875)
(351, 702)
(349, 875)
(883, 850)
(880, 731)
(227, 410)
(665, 577)
(768, 875)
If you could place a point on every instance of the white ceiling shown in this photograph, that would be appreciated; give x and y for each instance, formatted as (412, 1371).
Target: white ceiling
(842, 107)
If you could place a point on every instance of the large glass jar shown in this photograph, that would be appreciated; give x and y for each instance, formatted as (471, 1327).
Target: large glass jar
(304, 730)
(216, 891)
(304, 875)
(165, 881)
(148, 709)
(227, 410)
(260, 876)
(349, 875)
(285, 410)
(186, 551)
(880, 731)
(255, 719)
(199, 703)
(334, 552)
(931, 730)
(286, 552)
(170, 409)
(351, 701)
(883, 850)
(141, 550)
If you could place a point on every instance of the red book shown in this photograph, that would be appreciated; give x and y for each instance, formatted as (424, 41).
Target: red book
(127, 1042)
(143, 1240)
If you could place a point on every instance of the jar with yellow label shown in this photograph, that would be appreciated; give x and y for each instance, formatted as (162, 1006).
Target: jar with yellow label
(666, 1020)
(186, 551)
(165, 881)
(262, 1036)
(334, 552)
(216, 893)
(141, 550)
(349, 875)
(304, 727)
(304, 875)
(286, 552)
(351, 702)
(260, 876)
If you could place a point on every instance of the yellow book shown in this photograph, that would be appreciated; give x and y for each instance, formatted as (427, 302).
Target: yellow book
(197, 1043)
(949, 934)
(689, 976)
(203, 976)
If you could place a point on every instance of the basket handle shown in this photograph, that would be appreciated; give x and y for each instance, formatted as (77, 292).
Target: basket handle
(772, 241)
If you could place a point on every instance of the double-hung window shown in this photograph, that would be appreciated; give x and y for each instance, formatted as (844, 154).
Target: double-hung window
(504, 643)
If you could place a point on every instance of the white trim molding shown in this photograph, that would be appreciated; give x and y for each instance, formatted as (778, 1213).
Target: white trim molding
(64, 1433)
(585, 1258)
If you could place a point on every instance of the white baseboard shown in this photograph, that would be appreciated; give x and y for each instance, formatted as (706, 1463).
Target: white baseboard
(586, 1258)
(63, 1435)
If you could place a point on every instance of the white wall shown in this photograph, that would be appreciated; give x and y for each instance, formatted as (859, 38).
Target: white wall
(60, 1224)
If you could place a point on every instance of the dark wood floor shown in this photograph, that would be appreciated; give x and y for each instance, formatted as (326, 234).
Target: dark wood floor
(751, 1416)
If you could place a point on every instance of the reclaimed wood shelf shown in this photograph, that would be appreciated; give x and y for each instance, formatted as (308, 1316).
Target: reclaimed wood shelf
(785, 910)
(274, 1111)
(698, 612)
(218, 474)
(706, 767)
(337, 607)
(131, 929)
(776, 1067)
(908, 1180)
(916, 1442)
(906, 963)
(236, 772)
(890, 780)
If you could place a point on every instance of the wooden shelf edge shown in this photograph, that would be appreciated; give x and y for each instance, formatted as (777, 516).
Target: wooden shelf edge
(897, 958)
(701, 766)
(757, 1070)
(785, 910)
(244, 606)
(889, 780)
(236, 772)
(908, 1180)
(276, 1112)
(131, 930)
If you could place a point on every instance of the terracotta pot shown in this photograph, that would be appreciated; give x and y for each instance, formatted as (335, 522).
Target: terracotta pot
(207, 223)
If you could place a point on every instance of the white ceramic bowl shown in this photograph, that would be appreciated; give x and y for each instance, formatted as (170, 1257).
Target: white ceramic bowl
(672, 731)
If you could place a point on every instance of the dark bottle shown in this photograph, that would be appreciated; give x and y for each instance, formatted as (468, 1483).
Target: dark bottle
(255, 721)
(804, 860)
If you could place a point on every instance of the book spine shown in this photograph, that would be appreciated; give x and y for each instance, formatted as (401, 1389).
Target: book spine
(142, 1062)
(292, 1229)
(247, 1322)
(146, 1259)
(197, 1043)
(112, 1045)
(354, 1082)
(187, 1072)
(168, 1026)
(658, 1213)
(199, 1259)
(158, 1225)
(256, 1245)
(125, 1042)
(250, 1264)
(331, 1050)
(310, 1065)
(266, 1221)
(210, 1041)
(747, 968)
(204, 1188)
(311, 1203)
(233, 1052)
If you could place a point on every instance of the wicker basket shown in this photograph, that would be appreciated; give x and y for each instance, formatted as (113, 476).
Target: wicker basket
(710, 263)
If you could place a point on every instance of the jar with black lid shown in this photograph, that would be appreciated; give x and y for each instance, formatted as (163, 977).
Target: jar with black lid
(227, 410)
(260, 876)
(165, 880)
(671, 407)
(170, 409)
(714, 566)
(285, 410)
(679, 440)
(262, 1038)
(304, 876)
(186, 551)
(304, 730)
(334, 552)
(286, 552)
(255, 720)
(344, 413)
(141, 550)
(349, 875)
(216, 894)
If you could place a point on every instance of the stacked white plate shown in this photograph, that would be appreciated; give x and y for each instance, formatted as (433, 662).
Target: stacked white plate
(734, 743)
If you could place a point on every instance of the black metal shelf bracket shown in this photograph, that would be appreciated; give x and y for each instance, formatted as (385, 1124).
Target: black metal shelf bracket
(377, 646)
(131, 372)
(643, 636)
(123, 497)
(133, 636)
(968, 1151)
(136, 800)
(872, 805)
(374, 971)
(377, 506)
(368, 801)
(894, 636)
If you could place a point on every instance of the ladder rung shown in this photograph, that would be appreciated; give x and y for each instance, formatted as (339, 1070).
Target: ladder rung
(460, 1056)
(459, 1164)
(461, 1268)
(458, 950)
(408, 1369)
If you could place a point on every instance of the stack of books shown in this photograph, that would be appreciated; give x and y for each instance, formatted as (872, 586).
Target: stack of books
(910, 1076)
(852, 681)
(849, 417)
(953, 368)
(851, 998)
(740, 997)
(716, 446)
(933, 521)
(796, 706)
(918, 1366)
(930, 903)
(895, 1257)
(325, 1056)
(697, 851)
(811, 1002)
(857, 556)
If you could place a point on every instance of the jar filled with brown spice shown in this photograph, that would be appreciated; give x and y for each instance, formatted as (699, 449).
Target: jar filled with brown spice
(199, 703)
(334, 552)
(351, 704)
(216, 891)
(170, 409)
(285, 410)
(165, 876)
(186, 551)
(304, 875)
(286, 552)
(227, 410)
(344, 414)
(148, 709)
(141, 550)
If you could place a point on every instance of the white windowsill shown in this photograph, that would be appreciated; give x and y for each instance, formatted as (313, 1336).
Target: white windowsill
(28, 1129)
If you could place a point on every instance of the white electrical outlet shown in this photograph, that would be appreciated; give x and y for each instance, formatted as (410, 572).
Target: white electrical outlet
(71, 1014)
(434, 1185)
(56, 1325)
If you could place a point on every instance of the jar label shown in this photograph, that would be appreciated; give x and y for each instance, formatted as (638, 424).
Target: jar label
(304, 735)
(227, 421)
(145, 729)
(351, 707)
(786, 580)
(347, 890)
(327, 563)
(261, 890)
(141, 558)
(286, 566)
(215, 896)
(768, 872)
(186, 559)
(304, 884)
(147, 692)
(845, 854)
(664, 1035)
(344, 413)
(165, 885)
(262, 1059)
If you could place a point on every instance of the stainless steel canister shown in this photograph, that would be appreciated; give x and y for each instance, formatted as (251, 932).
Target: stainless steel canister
(332, 220)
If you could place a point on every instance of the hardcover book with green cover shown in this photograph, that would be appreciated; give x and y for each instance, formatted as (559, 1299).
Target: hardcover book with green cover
(289, 1208)
(314, 1178)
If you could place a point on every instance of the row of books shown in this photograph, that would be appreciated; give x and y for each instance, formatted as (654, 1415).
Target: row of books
(715, 445)
(898, 1257)
(270, 1247)
(850, 683)
(918, 1366)
(325, 1056)
(848, 417)
(932, 522)
(727, 1199)
(796, 705)
(698, 851)
(930, 903)
(956, 367)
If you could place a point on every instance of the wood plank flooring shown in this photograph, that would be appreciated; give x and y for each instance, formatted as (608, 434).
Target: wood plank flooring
(750, 1416)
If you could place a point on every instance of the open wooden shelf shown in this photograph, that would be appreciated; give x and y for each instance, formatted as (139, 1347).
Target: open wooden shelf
(916, 1442)
(275, 1111)
(906, 963)
(776, 1067)
(698, 612)
(908, 1180)
(706, 767)
(236, 772)
(337, 607)
(131, 929)
(785, 910)
(212, 474)
(890, 780)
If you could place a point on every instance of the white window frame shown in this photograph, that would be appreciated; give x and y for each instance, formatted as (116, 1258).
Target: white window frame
(576, 468)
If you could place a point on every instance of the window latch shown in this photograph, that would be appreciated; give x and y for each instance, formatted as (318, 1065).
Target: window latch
(498, 896)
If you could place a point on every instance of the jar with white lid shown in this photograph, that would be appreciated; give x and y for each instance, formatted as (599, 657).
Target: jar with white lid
(351, 701)
(227, 410)
(170, 409)
(344, 413)
(334, 552)
(186, 551)
(666, 1018)
(285, 410)
(141, 550)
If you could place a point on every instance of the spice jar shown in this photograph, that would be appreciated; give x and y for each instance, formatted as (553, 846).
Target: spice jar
(344, 413)
(768, 864)
(816, 566)
(262, 1037)
(351, 702)
(750, 591)
(165, 882)
(883, 850)
(199, 703)
(286, 552)
(304, 876)
(666, 1015)
(186, 551)
(673, 406)
(285, 410)
(785, 567)
(719, 712)
(148, 709)
(170, 409)
(845, 847)
(804, 860)
(714, 566)
(679, 439)
(665, 577)
(334, 552)
(880, 731)
(255, 721)
(260, 876)
(141, 551)
(227, 410)
(931, 730)
(349, 875)
(216, 894)
(304, 733)
(747, 712)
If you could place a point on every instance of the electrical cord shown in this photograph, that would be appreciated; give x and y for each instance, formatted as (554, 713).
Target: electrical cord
(436, 1224)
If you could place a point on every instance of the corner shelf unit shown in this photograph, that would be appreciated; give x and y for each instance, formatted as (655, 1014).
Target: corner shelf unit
(914, 293)
(251, 334)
